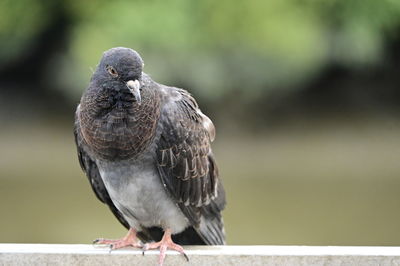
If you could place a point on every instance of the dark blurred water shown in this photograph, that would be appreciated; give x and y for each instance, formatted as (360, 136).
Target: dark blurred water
(334, 184)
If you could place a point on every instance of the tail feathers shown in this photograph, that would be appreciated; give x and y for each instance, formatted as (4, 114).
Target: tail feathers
(212, 231)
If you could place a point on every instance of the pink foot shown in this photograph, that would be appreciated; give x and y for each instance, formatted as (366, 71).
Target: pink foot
(165, 243)
(130, 240)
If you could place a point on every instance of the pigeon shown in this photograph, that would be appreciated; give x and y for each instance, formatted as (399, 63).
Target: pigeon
(145, 149)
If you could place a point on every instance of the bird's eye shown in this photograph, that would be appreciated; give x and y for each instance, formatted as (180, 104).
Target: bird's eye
(112, 71)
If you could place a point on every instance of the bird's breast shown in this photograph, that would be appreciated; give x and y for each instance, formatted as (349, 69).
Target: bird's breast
(119, 132)
(138, 193)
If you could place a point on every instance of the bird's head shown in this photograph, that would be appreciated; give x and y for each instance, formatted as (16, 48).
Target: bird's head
(122, 68)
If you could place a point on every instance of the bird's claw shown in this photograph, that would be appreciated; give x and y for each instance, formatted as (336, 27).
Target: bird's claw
(186, 256)
(97, 240)
(130, 240)
(163, 245)
(146, 247)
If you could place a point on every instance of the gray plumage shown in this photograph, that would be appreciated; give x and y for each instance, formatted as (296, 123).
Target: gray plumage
(147, 154)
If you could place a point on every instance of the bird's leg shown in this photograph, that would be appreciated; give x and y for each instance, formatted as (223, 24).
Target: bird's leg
(165, 243)
(129, 240)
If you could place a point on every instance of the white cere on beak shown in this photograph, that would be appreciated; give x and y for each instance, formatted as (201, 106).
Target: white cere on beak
(134, 87)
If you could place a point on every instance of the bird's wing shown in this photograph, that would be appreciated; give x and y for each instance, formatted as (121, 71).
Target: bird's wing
(187, 166)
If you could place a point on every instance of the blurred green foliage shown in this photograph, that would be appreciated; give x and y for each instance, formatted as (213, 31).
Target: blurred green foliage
(214, 46)
(18, 27)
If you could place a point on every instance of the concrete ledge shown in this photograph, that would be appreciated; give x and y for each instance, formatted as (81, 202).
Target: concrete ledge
(57, 254)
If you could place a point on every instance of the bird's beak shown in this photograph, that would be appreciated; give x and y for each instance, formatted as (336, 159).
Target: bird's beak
(134, 87)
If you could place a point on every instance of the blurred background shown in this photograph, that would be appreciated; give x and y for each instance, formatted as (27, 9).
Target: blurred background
(304, 94)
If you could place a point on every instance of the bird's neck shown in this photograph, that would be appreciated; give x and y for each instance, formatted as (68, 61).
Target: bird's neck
(114, 126)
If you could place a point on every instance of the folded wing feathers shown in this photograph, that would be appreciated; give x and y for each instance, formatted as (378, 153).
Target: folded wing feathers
(186, 152)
